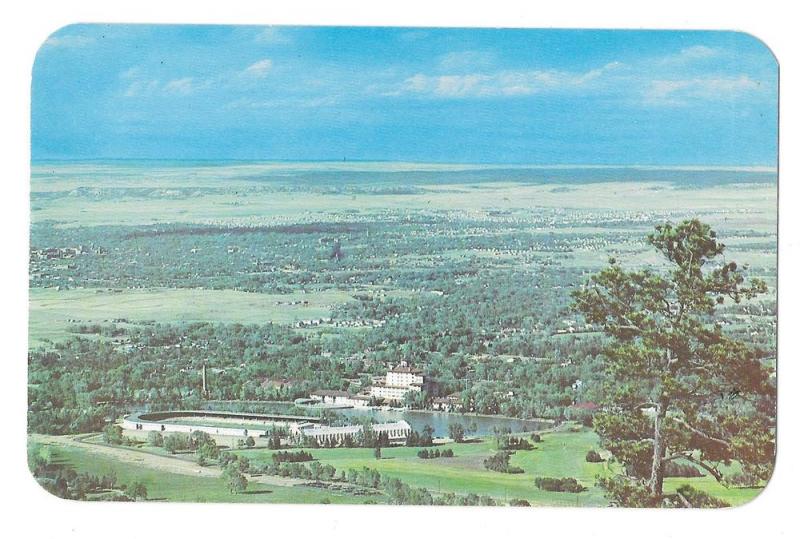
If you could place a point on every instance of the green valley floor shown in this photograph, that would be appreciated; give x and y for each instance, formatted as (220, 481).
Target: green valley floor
(560, 454)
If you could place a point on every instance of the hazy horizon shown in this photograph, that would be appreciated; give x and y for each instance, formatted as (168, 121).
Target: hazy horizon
(437, 164)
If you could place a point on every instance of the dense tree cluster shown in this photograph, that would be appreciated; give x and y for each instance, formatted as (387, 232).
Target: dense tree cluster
(501, 462)
(112, 435)
(506, 442)
(420, 439)
(280, 258)
(457, 432)
(291, 456)
(77, 383)
(204, 446)
(236, 480)
(434, 453)
(555, 484)
(155, 438)
(177, 441)
(399, 492)
(500, 337)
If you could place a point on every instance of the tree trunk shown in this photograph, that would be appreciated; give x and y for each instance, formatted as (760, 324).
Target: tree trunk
(659, 450)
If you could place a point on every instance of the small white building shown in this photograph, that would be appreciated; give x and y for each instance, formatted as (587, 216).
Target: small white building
(397, 432)
(340, 398)
(450, 403)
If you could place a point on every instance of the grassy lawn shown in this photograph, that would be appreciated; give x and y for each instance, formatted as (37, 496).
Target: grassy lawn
(560, 454)
(51, 310)
(733, 495)
(165, 486)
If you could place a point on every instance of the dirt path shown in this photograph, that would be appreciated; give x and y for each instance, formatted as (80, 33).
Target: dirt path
(155, 462)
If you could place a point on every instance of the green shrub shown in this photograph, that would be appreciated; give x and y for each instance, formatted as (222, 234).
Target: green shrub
(513, 443)
(176, 441)
(155, 438)
(112, 434)
(292, 456)
(593, 456)
(743, 479)
(499, 462)
(563, 484)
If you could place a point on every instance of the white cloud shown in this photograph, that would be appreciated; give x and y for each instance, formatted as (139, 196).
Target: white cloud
(183, 86)
(284, 103)
(651, 82)
(139, 81)
(458, 85)
(139, 85)
(690, 54)
(683, 91)
(699, 51)
(502, 83)
(259, 69)
(142, 87)
(69, 41)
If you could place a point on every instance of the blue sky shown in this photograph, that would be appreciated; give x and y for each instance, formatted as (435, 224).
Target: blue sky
(404, 94)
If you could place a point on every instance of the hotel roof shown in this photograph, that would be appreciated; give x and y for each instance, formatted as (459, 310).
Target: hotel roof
(403, 369)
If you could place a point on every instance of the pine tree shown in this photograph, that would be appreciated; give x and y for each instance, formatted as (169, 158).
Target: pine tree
(677, 386)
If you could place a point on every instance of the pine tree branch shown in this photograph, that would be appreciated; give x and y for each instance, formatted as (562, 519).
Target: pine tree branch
(701, 433)
(629, 325)
(710, 469)
(688, 456)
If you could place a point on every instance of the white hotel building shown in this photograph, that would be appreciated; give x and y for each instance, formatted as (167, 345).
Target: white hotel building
(399, 381)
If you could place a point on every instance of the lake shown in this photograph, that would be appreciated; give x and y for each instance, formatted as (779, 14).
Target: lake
(479, 425)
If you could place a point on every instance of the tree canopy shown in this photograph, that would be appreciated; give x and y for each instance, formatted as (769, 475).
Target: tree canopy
(677, 387)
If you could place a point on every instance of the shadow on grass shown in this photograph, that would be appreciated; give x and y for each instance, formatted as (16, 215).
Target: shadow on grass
(262, 491)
